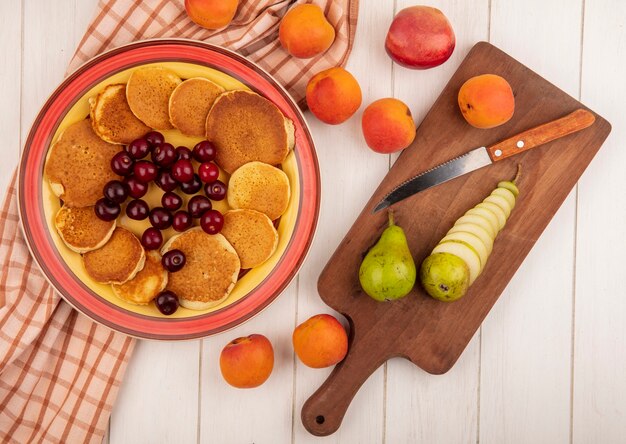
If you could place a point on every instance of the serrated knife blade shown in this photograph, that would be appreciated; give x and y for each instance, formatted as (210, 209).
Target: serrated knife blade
(486, 155)
(456, 167)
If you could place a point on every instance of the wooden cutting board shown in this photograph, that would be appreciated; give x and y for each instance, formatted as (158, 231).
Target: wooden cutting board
(429, 333)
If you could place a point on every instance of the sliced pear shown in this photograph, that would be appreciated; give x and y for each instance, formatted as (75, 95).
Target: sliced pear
(506, 194)
(476, 230)
(509, 186)
(494, 209)
(501, 202)
(480, 221)
(472, 241)
(469, 256)
(489, 215)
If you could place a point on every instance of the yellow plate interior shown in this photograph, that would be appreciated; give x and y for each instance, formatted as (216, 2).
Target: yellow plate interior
(251, 279)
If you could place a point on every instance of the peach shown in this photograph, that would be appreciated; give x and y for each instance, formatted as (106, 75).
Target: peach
(320, 342)
(333, 95)
(388, 126)
(211, 14)
(304, 31)
(486, 101)
(247, 362)
(420, 37)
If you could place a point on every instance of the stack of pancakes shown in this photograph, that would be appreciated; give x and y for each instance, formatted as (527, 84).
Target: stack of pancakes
(252, 137)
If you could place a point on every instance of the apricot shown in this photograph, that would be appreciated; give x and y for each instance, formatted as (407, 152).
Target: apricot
(304, 31)
(388, 126)
(211, 14)
(247, 362)
(486, 101)
(320, 341)
(333, 95)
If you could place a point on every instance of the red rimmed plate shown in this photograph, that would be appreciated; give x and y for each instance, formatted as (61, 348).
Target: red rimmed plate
(70, 100)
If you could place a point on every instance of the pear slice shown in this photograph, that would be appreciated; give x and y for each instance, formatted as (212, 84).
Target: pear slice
(476, 230)
(469, 256)
(490, 216)
(509, 186)
(506, 194)
(471, 241)
(501, 202)
(494, 209)
(479, 221)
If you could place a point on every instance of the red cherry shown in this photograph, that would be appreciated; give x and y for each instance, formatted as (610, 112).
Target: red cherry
(173, 260)
(215, 190)
(154, 138)
(212, 222)
(151, 239)
(182, 221)
(160, 218)
(198, 205)
(137, 209)
(171, 201)
(122, 163)
(107, 210)
(166, 302)
(136, 189)
(182, 170)
(145, 171)
(208, 172)
(204, 151)
(164, 154)
(183, 152)
(138, 149)
(166, 181)
(115, 191)
(193, 186)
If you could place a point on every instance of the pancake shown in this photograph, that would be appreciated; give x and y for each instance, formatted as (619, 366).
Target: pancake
(210, 272)
(79, 165)
(261, 187)
(148, 93)
(146, 284)
(81, 229)
(251, 234)
(246, 127)
(112, 118)
(118, 261)
(190, 104)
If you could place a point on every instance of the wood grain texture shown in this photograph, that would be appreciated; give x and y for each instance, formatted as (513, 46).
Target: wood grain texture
(416, 399)
(350, 173)
(599, 403)
(430, 334)
(265, 412)
(526, 339)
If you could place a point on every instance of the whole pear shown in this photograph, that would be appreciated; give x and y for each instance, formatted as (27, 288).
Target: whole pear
(445, 276)
(388, 270)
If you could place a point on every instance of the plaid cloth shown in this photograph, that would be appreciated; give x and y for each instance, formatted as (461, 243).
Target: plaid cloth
(59, 371)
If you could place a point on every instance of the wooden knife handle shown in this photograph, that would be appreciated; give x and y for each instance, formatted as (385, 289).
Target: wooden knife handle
(532, 138)
(323, 412)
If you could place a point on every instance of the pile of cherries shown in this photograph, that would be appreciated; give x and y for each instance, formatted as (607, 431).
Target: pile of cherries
(169, 168)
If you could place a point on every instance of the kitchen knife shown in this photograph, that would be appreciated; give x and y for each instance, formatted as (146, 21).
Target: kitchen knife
(483, 156)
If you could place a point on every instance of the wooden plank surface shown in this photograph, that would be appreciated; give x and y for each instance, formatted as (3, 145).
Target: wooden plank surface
(516, 365)
(514, 383)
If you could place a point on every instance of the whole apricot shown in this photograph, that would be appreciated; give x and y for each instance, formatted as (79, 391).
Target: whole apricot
(320, 341)
(247, 362)
(211, 14)
(304, 31)
(333, 95)
(486, 101)
(388, 126)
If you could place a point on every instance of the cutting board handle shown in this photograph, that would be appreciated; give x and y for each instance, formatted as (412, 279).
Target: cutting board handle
(323, 412)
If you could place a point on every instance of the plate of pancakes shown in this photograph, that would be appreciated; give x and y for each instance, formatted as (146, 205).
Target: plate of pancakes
(263, 188)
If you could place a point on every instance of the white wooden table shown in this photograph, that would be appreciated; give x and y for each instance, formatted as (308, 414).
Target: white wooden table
(549, 363)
